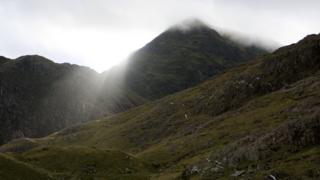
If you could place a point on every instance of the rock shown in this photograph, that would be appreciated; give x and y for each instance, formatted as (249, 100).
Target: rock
(238, 173)
(272, 177)
(218, 162)
(215, 169)
(188, 172)
(195, 170)
(127, 171)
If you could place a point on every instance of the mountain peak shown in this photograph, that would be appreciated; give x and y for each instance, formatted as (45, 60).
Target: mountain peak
(3, 59)
(311, 38)
(183, 56)
(33, 60)
(190, 24)
(32, 57)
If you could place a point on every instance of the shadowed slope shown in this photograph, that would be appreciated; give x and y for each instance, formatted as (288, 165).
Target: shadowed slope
(206, 131)
(181, 58)
(39, 96)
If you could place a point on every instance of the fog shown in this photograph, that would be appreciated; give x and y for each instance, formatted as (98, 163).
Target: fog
(103, 33)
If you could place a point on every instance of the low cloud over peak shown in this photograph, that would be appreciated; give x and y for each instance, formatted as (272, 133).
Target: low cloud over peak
(102, 33)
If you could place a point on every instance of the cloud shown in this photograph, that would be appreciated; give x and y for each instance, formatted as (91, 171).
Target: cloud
(100, 33)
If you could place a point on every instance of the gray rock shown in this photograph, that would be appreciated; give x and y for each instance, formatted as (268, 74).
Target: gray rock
(238, 173)
(272, 177)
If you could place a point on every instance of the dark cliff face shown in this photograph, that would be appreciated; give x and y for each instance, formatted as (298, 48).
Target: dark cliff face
(29, 105)
(39, 97)
(3, 59)
(181, 58)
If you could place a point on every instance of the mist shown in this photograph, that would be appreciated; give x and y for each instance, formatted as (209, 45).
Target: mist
(101, 34)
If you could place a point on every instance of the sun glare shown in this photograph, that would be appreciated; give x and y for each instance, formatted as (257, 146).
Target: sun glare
(98, 49)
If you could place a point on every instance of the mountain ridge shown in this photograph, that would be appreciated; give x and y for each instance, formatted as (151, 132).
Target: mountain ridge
(39, 96)
(169, 61)
(208, 131)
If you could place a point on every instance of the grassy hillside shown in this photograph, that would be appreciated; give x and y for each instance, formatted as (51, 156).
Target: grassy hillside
(175, 143)
(10, 168)
(72, 162)
(258, 120)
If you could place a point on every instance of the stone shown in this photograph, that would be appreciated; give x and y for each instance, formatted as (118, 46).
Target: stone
(272, 177)
(238, 173)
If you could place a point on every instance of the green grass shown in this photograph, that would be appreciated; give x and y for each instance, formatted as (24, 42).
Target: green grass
(13, 169)
(78, 162)
(159, 135)
(192, 139)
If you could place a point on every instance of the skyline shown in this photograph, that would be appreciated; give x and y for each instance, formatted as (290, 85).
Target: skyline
(101, 34)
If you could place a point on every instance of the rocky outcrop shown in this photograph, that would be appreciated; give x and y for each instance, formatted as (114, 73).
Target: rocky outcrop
(281, 68)
(293, 136)
(292, 70)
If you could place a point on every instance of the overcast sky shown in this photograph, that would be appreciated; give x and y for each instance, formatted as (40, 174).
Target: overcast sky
(102, 33)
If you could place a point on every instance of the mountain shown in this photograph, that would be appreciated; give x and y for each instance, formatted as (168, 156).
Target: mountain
(3, 59)
(259, 120)
(182, 57)
(39, 97)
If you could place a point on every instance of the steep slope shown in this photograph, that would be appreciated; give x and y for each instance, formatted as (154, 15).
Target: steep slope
(257, 120)
(183, 57)
(39, 97)
(3, 60)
